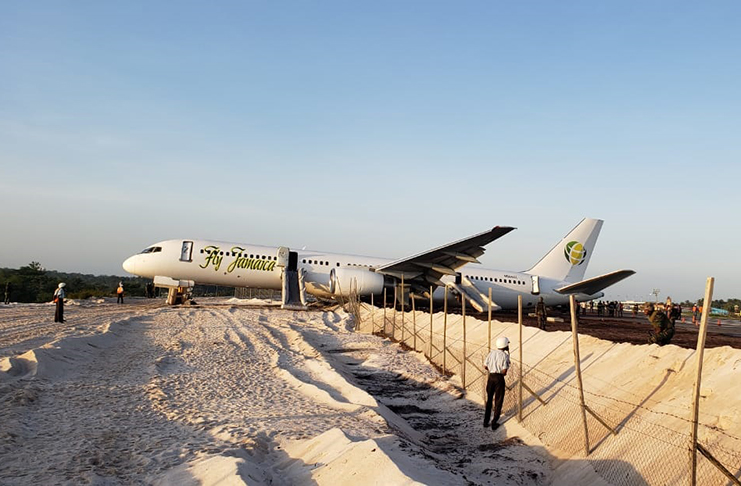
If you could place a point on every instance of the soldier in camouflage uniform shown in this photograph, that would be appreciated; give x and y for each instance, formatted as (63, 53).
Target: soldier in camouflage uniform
(541, 313)
(663, 326)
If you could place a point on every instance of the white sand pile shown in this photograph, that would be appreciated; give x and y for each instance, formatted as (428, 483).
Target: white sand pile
(233, 394)
(644, 392)
(237, 395)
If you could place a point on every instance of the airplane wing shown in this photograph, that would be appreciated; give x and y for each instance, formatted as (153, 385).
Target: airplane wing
(593, 285)
(428, 267)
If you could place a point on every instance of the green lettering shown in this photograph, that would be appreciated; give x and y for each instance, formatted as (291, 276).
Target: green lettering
(213, 257)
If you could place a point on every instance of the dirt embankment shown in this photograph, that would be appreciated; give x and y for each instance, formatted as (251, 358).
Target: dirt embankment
(629, 329)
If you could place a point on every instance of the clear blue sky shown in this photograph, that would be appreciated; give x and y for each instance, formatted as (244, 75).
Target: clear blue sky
(377, 128)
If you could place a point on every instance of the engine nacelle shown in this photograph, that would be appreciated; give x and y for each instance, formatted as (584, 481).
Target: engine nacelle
(343, 281)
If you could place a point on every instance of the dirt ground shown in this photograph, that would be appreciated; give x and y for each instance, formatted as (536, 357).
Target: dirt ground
(634, 330)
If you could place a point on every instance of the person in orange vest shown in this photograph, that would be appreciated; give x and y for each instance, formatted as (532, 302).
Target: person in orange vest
(120, 293)
(695, 314)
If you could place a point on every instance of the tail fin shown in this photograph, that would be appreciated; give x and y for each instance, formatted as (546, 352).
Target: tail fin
(568, 260)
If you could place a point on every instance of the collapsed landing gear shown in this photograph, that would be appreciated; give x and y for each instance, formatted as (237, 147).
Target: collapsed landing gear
(179, 295)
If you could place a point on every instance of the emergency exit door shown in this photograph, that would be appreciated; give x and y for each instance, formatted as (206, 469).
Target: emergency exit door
(186, 253)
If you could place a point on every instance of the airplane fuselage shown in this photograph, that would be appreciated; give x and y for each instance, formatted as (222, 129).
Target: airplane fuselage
(245, 265)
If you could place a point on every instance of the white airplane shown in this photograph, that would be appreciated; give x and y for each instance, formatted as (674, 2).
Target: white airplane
(180, 264)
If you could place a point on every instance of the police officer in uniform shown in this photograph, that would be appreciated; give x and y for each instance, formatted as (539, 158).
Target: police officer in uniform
(497, 364)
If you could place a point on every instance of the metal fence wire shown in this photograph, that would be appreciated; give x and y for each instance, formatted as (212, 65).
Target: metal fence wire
(646, 447)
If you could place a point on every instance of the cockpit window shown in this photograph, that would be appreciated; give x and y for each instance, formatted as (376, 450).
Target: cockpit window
(152, 249)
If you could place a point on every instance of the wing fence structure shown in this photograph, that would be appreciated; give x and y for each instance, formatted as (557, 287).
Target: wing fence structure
(631, 436)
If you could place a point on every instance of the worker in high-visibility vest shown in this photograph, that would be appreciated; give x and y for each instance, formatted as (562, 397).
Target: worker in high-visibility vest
(120, 293)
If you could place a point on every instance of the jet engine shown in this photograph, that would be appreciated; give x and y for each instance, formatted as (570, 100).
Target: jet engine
(344, 280)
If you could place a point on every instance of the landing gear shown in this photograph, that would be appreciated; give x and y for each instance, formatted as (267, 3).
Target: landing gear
(179, 295)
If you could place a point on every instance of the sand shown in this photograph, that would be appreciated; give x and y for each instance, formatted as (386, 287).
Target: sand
(242, 392)
(228, 393)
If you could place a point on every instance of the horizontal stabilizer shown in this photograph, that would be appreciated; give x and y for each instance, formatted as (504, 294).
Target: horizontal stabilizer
(593, 285)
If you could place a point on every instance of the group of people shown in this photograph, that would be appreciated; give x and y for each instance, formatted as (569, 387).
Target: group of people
(610, 309)
(60, 294)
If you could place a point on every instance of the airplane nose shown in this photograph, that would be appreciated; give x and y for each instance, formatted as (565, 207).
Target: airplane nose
(130, 265)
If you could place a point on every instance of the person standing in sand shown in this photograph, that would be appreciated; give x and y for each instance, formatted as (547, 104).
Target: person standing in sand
(59, 301)
(8, 288)
(120, 293)
(497, 364)
(541, 313)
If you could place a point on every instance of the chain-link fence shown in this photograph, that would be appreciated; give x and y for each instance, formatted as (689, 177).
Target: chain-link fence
(253, 293)
(646, 443)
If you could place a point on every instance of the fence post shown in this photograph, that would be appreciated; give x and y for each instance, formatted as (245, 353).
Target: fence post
(373, 316)
(700, 352)
(463, 300)
(414, 322)
(431, 311)
(445, 328)
(384, 311)
(403, 310)
(519, 387)
(396, 302)
(577, 369)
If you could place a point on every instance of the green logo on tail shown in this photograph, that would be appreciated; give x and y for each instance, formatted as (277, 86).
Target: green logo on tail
(575, 252)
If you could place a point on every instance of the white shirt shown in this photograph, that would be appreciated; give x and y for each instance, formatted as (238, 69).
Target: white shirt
(59, 293)
(497, 361)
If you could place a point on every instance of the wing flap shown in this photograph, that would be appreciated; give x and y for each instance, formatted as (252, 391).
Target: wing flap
(593, 285)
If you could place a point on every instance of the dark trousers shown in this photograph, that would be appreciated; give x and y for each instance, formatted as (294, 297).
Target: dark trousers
(120, 299)
(59, 312)
(494, 392)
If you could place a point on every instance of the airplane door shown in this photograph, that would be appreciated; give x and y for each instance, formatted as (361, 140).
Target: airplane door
(293, 261)
(186, 253)
(536, 285)
(282, 257)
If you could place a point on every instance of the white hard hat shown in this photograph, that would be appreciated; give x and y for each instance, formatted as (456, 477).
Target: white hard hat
(62, 285)
(502, 342)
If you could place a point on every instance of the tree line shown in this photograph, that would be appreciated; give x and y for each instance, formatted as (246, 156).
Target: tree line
(34, 284)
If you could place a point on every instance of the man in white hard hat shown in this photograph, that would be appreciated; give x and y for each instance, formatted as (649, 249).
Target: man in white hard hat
(497, 364)
(59, 301)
